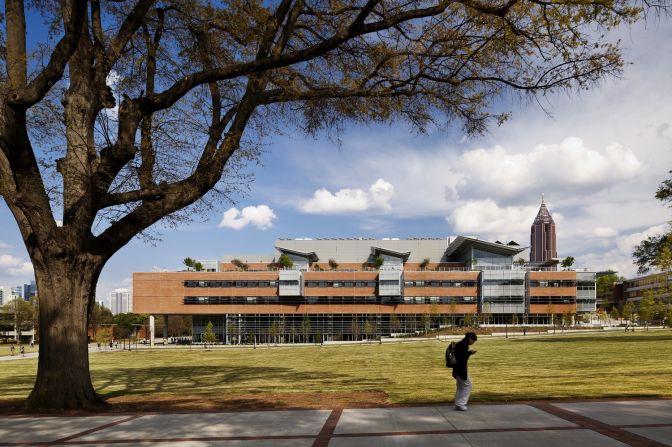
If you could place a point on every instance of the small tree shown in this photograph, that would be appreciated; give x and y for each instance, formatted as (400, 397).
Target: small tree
(614, 313)
(209, 336)
(273, 331)
(369, 328)
(469, 319)
(103, 335)
(23, 314)
(189, 263)
(520, 262)
(306, 327)
(232, 331)
(423, 265)
(379, 261)
(355, 328)
(395, 324)
(285, 261)
(567, 319)
(646, 306)
(333, 264)
(240, 264)
(629, 310)
(453, 309)
(668, 316)
(99, 315)
(425, 322)
(567, 262)
(434, 314)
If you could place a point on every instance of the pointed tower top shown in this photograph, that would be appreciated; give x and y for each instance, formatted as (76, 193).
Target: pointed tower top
(543, 215)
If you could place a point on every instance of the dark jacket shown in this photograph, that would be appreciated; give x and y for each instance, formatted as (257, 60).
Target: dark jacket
(462, 356)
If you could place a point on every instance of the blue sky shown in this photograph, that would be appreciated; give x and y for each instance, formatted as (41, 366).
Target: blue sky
(598, 156)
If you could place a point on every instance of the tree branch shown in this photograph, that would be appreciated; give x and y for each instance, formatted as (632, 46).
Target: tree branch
(38, 87)
(181, 87)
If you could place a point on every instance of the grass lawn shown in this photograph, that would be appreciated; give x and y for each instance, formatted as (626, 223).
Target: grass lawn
(566, 366)
(6, 349)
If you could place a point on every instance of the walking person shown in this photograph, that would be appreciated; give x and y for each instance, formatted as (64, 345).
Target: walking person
(460, 372)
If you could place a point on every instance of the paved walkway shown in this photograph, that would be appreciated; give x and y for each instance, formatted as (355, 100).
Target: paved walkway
(548, 424)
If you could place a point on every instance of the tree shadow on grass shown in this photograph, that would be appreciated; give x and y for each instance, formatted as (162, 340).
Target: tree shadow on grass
(595, 338)
(180, 380)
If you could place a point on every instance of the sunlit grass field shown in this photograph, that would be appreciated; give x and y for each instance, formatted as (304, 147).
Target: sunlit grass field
(545, 367)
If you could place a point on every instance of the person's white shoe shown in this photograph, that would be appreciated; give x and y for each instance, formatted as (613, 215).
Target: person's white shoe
(460, 408)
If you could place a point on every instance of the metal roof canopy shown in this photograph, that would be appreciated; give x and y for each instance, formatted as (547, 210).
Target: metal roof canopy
(462, 242)
(385, 251)
(312, 256)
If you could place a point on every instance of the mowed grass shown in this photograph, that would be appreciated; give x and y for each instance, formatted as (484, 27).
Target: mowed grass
(564, 366)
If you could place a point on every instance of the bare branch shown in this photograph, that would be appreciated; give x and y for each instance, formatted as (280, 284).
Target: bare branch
(38, 87)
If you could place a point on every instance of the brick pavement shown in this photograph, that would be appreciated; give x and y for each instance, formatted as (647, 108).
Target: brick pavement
(608, 423)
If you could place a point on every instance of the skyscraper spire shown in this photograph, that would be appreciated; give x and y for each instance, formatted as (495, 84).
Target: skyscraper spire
(542, 236)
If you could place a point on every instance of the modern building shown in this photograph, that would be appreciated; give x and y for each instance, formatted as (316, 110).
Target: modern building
(29, 290)
(121, 301)
(5, 295)
(349, 289)
(25, 291)
(543, 249)
(658, 285)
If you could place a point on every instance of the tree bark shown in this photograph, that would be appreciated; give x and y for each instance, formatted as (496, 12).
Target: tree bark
(66, 288)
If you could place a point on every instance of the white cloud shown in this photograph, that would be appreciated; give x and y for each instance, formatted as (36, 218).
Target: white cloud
(627, 243)
(260, 216)
(605, 232)
(485, 217)
(570, 165)
(14, 266)
(3, 245)
(112, 80)
(349, 200)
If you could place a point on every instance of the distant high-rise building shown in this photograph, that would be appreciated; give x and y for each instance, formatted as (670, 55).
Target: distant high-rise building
(29, 290)
(17, 291)
(542, 238)
(8, 294)
(121, 301)
(4, 295)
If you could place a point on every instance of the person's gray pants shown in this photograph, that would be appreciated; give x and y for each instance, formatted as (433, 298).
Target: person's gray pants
(463, 391)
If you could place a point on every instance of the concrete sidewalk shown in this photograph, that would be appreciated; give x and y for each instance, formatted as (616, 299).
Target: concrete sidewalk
(540, 423)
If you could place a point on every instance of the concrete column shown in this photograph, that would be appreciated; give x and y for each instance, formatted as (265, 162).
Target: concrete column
(165, 328)
(151, 331)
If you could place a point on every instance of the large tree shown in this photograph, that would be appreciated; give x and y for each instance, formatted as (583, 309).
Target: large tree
(194, 86)
(655, 252)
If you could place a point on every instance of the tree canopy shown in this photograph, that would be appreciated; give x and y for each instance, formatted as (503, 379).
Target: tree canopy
(655, 252)
(135, 112)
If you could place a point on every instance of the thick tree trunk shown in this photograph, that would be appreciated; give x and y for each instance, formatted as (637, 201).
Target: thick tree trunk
(65, 290)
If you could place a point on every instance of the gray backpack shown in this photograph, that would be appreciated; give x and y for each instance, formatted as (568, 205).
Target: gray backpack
(451, 361)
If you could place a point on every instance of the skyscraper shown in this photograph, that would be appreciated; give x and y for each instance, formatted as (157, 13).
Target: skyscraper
(542, 238)
(121, 301)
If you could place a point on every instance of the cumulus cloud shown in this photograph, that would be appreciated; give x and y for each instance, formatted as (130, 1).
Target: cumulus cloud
(627, 243)
(605, 232)
(570, 165)
(260, 216)
(14, 266)
(112, 80)
(485, 217)
(349, 200)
